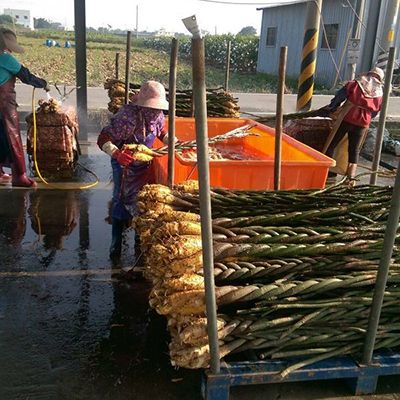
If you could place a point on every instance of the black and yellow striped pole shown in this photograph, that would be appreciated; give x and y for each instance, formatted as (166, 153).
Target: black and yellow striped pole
(309, 55)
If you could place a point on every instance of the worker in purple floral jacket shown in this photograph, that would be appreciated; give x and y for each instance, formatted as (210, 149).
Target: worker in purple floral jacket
(139, 122)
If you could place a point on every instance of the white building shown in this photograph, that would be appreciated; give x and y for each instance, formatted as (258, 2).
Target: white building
(164, 32)
(21, 17)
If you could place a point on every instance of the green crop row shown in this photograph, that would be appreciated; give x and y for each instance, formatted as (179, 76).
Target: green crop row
(244, 50)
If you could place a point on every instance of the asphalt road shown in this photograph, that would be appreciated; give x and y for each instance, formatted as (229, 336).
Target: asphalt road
(259, 103)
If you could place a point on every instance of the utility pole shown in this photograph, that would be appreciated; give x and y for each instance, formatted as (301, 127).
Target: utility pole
(309, 55)
(388, 32)
(137, 21)
(354, 43)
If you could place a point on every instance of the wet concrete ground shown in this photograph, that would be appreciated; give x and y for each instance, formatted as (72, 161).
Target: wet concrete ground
(72, 328)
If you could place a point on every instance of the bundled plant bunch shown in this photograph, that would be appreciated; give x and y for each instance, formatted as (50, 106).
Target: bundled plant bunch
(294, 270)
(116, 93)
(56, 138)
(219, 102)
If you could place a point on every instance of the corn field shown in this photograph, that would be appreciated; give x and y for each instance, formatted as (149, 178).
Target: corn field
(244, 50)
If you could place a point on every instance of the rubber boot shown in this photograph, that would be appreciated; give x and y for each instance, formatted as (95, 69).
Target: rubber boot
(4, 178)
(23, 181)
(116, 238)
(10, 121)
(18, 168)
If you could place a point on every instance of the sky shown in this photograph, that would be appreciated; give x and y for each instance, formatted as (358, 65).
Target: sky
(153, 14)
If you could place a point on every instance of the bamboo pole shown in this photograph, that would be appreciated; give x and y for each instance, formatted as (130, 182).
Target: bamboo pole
(127, 65)
(200, 108)
(227, 65)
(172, 111)
(116, 65)
(279, 118)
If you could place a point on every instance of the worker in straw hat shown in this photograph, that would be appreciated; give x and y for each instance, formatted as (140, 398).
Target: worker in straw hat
(11, 150)
(354, 106)
(140, 122)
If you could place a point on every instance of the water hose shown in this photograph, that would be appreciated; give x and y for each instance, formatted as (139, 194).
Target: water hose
(64, 186)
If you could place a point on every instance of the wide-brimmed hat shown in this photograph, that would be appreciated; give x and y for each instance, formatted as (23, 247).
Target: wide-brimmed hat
(8, 41)
(377, 73)
(152, 95)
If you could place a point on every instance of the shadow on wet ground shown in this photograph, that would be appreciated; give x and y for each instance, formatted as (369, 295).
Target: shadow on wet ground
(71, 328)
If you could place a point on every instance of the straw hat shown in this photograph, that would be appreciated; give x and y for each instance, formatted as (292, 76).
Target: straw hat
(8, 41)
(152, 95)
(377, 73)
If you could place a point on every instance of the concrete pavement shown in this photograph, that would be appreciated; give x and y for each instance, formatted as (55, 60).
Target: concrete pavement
(258, 103)
(72, 329)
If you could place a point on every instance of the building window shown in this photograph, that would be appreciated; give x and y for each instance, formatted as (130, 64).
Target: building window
(271, 36)
(17, 16)
(25, 17)
(329, 37)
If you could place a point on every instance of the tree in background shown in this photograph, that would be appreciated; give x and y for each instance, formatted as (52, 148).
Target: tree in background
(6, 19)
(248, 31)
(41, 23)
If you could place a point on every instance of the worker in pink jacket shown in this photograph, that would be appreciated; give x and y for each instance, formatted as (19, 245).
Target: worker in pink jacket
(360, 101)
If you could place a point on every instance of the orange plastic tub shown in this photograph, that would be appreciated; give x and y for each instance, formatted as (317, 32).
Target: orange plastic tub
(302, 166)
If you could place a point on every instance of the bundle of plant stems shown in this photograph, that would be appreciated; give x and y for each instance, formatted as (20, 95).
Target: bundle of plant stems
(116, 93)
(295, 271)
(219, 102)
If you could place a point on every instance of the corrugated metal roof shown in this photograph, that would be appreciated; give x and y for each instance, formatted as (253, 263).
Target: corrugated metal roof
(283, 4)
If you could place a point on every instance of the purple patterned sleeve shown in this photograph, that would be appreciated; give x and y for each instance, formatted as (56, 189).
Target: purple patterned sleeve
(121, 125)
(160, 126)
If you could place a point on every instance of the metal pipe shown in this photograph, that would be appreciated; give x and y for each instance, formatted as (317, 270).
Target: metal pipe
(227, 64)
(116, 65)
(383, 271)
(279, 118)
(127, 65)
(382, 116)
(199, 94)
(80, 66)
(171, 111)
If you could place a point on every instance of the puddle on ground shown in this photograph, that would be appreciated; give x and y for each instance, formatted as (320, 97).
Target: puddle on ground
(67, 333)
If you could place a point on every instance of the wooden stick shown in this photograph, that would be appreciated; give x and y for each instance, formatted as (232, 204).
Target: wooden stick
(279, 118)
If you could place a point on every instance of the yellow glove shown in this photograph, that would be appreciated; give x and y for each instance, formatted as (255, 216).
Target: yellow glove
(142, 157)
(140, 148)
